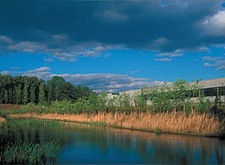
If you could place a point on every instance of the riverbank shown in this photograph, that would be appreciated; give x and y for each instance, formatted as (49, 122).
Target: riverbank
(178, 123)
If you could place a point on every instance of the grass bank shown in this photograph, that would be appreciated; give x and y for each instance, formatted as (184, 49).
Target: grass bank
(175, 122)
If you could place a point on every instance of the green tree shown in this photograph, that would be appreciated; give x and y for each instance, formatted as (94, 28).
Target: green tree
(6, 97)
(181, 91)
(11, 95)
(102, 100)
(82, 91)
(1, 96)
(33, 93)
(141, 99)
(25, 94)
(124, 101)
(93, 102)
(54, 88)
(68, 92)
(41, 96)
(50, 93)
(58, 92)
(34, 83)
(2, 88)
(18, 94)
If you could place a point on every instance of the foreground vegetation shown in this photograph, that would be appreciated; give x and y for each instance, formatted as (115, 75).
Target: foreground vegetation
(30, 150)
(28, 153)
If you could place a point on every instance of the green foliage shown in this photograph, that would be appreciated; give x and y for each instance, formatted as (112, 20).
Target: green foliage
(41, 94)
(141, 99)
(6, 97)
(204, 105)
(25, 94)
(82, 91)
(19, 94)
(20, 150)
(10, 95)
(180, 92)
(158, 131)
(102, 100)
(50, 93)
(29, 153)
(33, 94)
(93, 102)
(23, 90)
(180, 89)
(124, 100)
(60, 96)
(59, 89)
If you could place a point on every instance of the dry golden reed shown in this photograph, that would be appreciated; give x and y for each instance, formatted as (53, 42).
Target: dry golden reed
(176, 122)
(2, 119)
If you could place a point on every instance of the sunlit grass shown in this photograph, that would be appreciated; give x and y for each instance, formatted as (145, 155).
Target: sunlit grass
(176, 122)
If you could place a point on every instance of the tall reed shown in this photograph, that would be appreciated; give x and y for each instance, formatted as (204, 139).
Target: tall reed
(175, 122)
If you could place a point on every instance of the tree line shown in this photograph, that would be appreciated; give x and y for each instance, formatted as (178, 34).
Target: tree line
(63, 97)
(24, 89)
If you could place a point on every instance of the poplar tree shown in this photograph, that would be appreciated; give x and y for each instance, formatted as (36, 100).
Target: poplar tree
(33, 94)
(50, 93)
(57, 92)
(1, 96)
(25, 94)
(10, 95)
(41, 95)
(18, 94)
(6, 97)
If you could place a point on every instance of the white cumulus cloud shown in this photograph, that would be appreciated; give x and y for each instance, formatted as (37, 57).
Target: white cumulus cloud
(214, 25)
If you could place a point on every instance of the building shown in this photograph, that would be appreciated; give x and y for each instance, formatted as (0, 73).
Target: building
(210, 88)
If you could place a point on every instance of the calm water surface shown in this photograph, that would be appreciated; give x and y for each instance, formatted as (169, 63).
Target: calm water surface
(84, 144)
(94, 145)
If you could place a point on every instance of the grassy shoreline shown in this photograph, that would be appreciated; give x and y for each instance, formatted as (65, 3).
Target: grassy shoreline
(175, 123)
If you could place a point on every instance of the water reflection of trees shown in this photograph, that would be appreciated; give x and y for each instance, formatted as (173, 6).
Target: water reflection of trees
(21, 143)
(186, 149)
(153, 148)
(38, 133)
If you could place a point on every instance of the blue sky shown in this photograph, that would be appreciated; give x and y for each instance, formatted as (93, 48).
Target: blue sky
(113, 45)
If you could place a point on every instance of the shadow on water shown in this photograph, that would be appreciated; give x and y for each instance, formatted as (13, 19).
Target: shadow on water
(85, 144)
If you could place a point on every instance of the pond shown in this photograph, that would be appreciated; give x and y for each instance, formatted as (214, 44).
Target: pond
(86, 144)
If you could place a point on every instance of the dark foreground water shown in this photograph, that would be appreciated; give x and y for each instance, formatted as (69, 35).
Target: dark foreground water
(84, 144)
